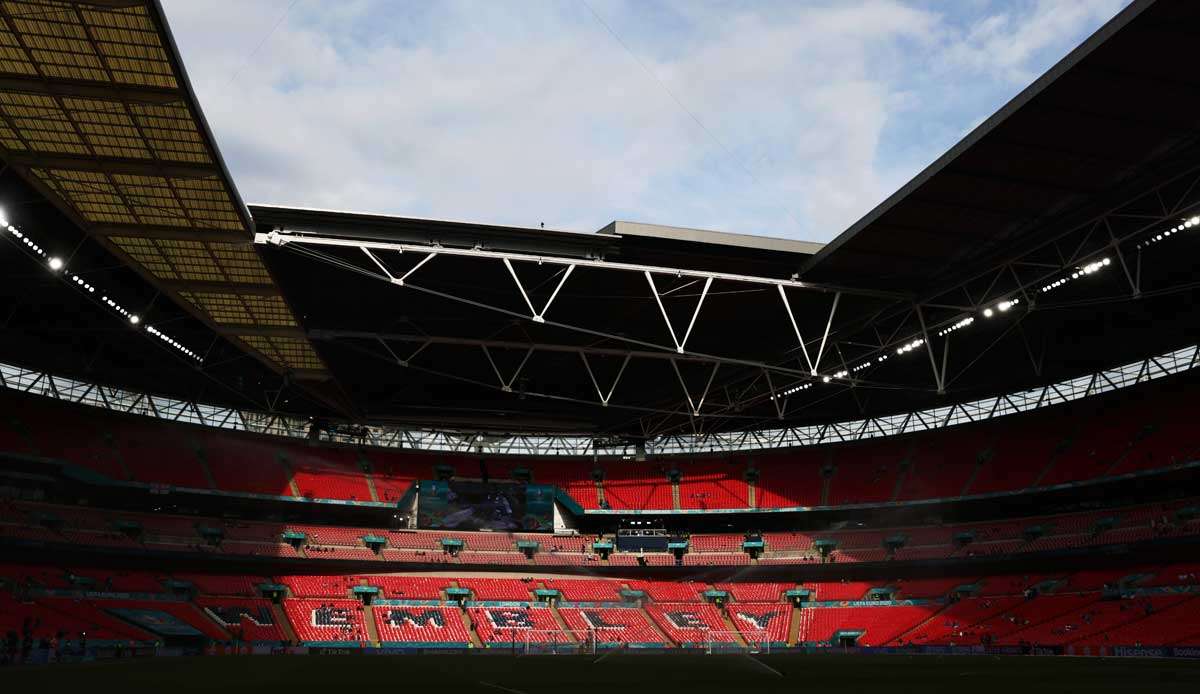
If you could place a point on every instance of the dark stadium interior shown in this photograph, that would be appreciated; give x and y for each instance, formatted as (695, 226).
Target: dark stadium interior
(966, 426)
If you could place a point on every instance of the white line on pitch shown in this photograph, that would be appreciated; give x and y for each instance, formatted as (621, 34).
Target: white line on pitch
(763, 665)
(503, 689)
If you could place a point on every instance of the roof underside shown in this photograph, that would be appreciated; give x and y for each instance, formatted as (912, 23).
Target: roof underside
(97, 113)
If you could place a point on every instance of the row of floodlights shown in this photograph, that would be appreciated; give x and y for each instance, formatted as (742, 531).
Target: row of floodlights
(1186, 224)
(1094, 266)
(58, 266)
(793, 390)
(957, 326)
(1007, 304)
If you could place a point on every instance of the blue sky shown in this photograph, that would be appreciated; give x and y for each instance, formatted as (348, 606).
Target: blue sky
(788, 119)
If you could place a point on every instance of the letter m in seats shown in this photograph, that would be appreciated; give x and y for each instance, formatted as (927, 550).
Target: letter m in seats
(418, 619)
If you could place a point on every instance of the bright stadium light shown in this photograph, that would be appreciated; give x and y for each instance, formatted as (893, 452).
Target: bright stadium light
(57, 264)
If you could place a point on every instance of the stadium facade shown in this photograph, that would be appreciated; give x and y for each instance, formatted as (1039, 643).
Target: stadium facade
(966, 423)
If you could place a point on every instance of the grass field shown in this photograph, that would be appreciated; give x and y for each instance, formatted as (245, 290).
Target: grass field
(614, 674)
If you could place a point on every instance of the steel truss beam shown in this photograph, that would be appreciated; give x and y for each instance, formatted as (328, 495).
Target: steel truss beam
(31, 381)
(281, 238)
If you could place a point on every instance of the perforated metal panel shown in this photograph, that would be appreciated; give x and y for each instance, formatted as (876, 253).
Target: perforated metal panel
(93, 111)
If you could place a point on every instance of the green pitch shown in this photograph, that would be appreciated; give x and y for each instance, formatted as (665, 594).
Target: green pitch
(613, 674)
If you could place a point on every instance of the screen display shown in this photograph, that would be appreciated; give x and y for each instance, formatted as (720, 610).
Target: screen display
(475, 505)
(156, 621)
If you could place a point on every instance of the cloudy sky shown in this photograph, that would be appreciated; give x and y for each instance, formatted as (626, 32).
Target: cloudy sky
(783, 118)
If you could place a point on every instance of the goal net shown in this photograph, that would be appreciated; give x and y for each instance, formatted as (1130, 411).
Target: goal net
(555, 641)
(757, 641)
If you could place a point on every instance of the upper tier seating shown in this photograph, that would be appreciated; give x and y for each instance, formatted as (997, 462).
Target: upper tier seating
(583, 590)
(1134, 430)
(407, 587)
(706, 484)
(498, 588)
(756, 592)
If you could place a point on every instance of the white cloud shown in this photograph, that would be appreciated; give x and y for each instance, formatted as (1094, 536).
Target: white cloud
(526, 112)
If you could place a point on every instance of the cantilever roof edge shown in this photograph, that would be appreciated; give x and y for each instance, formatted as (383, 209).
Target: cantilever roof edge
(1097, 39)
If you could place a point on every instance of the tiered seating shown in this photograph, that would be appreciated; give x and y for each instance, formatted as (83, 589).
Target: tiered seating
(1174, 626)
(927, 588)
(326, 621)
(157, 452)
(1092, 623)
(956, 623)
(613, 625)
(418, 625)
(1138, 430)
(788, 542)
(878, 624)
(558, 543)
(331, 535)
(846, 590)
(583, 590)
(637, 486)
(941, 467)
(346, 553)
(669, 591)
(646, 558)
(249, 619)
(122, 581)
(866, 472)
(715, 559)
(713, 484)
(690, 624)
(1030, 613)
(753, 619)
(515, 625)
(572, 476)
(1100, 443)
(790, 479)
(223, 585)
(330, 473)
(407, 587)
(715, 543)
(1017, 461)
(48, 616)
(393, 475)
(498, 588)
(245, 464)
(756, 592)
(317, 586)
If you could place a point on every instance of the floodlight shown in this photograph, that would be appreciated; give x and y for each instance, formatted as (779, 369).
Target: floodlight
(135, 319)
(987, 313)
(56, 263)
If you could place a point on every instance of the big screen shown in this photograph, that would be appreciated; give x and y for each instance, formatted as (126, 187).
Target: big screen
(475, 505)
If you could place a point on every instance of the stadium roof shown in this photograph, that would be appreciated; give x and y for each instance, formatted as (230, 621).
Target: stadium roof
(97, 113)
(1045, 217)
